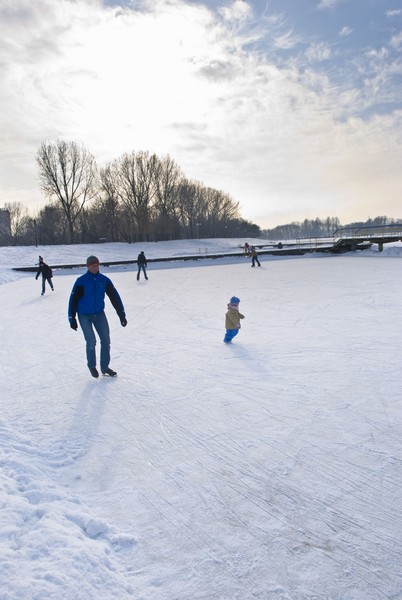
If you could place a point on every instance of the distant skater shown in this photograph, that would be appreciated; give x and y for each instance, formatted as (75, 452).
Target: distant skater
(47, 275)
(87, 299)
(232, 321)
(254, 257)
(142, 265)
(246, 249)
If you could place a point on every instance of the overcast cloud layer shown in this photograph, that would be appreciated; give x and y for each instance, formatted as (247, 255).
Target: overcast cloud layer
(295, 112)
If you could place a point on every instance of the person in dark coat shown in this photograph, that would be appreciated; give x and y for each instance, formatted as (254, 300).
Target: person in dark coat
(142, 265)
(87, 299)
(46, 273)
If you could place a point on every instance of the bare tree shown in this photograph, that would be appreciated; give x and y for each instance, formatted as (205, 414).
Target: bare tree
(51, 225)
(110, 209)
(19, 221)
(109, 205)
(131, 179)
(69, 175)
(166, 180)
(137, 174)
(192, 207)
(221, 210)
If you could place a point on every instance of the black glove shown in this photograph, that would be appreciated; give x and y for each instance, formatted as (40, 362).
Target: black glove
(123, 321)
(74, 324)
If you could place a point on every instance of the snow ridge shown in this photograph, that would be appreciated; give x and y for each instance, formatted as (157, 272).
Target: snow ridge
(45, 531)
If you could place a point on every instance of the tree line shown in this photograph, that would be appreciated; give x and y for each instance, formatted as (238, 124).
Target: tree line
(313, 228)
(137, 197)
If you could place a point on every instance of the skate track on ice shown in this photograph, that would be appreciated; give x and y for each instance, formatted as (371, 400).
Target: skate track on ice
(268, 469)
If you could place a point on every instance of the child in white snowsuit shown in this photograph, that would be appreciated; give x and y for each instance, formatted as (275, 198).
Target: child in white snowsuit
(232, 321)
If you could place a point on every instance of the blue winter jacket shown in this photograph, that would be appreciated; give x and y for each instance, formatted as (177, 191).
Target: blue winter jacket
(88, 296)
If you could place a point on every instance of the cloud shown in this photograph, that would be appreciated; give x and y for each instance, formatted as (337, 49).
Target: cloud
(237, 11)
(318, 52)
(394, 13)
(396, 41)
(324, 4)
(345, 31)
(206, 87)
(286, 40)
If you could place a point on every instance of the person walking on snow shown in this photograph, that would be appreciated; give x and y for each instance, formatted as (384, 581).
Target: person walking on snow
(254, 257)
(87, 299)
(142, 265)
(47, 275)
(232, 321)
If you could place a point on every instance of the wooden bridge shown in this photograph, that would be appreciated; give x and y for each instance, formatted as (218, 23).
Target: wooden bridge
(375, 234)
(344, 239)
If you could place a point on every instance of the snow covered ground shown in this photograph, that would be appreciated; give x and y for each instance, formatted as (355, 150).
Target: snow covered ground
(270, 468)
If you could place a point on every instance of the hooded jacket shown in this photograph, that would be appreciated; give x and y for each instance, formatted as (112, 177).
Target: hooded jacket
(141, 259)
(88, 296)
(233, 316)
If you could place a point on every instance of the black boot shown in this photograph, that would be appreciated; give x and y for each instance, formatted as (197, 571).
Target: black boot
(109, 372)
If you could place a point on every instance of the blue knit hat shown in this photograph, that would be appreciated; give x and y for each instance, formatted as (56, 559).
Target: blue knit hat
(234, 300)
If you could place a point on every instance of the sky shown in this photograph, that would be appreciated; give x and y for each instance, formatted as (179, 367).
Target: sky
(292, 108)
(269, 468)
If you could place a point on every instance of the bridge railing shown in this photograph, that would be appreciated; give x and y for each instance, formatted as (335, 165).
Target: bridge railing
(369, 231)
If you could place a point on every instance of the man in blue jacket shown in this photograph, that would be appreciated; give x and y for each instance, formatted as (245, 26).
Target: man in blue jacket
(87, 299)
